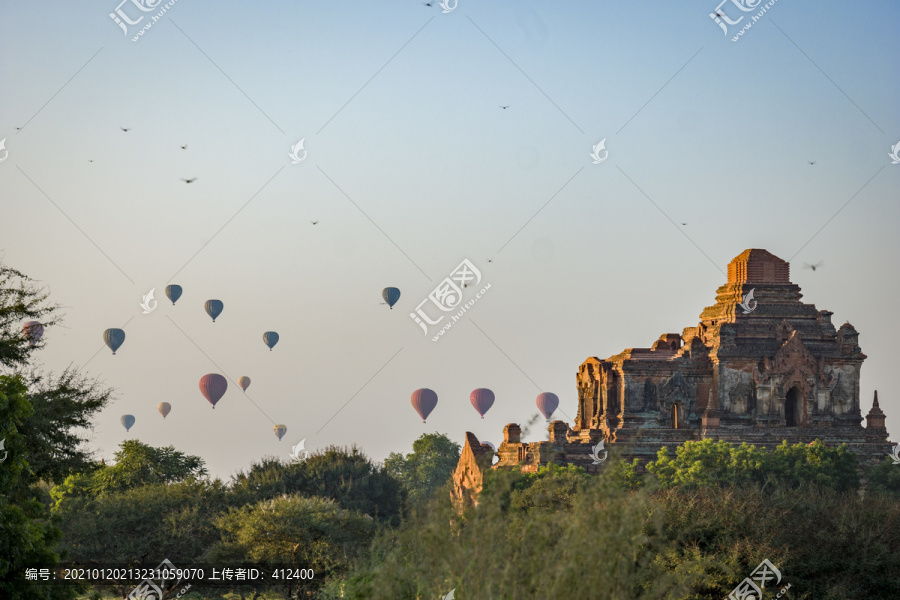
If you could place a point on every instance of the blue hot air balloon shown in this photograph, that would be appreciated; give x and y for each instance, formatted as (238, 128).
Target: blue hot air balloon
(270, 338)
(390, 295)
(173, 292)
(280, 430)
(214, 308)
(127, 421)
(114, 338)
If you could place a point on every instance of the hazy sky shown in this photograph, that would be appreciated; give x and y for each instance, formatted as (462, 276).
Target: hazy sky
(412, 167)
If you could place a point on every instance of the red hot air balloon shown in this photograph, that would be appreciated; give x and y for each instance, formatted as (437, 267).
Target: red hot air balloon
(482, 399)
(547, 403)
(33, 330)
(424, 401)
(213, 387)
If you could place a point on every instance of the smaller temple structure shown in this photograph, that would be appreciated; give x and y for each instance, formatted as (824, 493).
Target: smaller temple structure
(760, 367)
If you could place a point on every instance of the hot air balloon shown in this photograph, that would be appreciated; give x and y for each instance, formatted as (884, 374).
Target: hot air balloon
(213, 387)
(214, 308)
(114, 338)
(390, 295)
(482, 399)
(280, 430)
(547, 403)
(244, 382)
(424, 401)
(493, 447)
(127, 421)
(33, 330)
(270, 338)
(173, 292)
(164, 409)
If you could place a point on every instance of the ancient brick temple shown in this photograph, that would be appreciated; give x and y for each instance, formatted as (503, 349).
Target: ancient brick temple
(760, 367)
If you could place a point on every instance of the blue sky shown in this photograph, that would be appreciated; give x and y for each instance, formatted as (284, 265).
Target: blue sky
(412, 166)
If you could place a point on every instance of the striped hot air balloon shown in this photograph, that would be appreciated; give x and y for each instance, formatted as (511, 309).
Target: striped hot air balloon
(280, 430)
(114, 338)
(214, 308)
(547, 403)
(270, 338)
(482, 399)
(173, 292)
(213, 387)
(244, 382)
(424, 401)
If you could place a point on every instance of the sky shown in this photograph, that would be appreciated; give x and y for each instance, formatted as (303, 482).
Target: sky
(411, 166)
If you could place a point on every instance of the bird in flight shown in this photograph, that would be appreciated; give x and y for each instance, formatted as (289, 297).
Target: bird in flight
(812, 162)
(184, 147)
(90, 160)
(123, 128)
(190, 180)
(314, 222)
(504, 107)
(813, 267)
(428, 3)
(18, 129)
(684, 223)
(490, 260)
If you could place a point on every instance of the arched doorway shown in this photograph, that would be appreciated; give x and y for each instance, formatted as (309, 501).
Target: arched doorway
(674, 416)
(792, 408)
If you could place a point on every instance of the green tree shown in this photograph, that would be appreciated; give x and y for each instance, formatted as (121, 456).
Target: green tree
(345, 475)
(294, 532)
(706, 462)
(884, 477)
(20, 301)
(428, 467)
(26, 538)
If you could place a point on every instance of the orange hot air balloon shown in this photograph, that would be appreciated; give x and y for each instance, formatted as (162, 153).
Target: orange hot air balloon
(244, 382)
(164, 409)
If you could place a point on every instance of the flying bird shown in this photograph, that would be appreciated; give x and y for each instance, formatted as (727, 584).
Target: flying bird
(428, 3)
(490, 260)
(812, 162)
(813, 267)
(189, 180)
(89, 160)
(184, 147)
(314, 222)
(123, 129)
(505, 107)
(684, 223)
